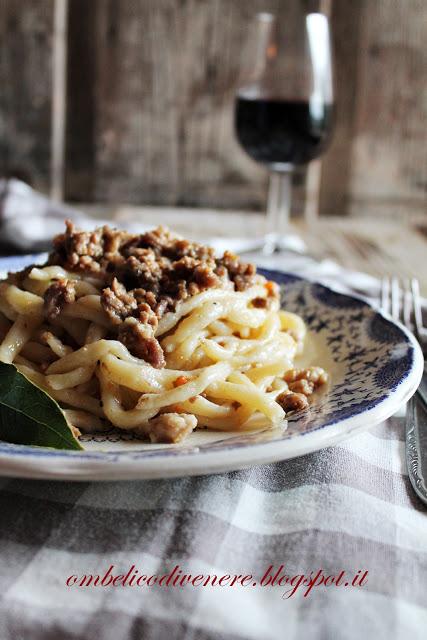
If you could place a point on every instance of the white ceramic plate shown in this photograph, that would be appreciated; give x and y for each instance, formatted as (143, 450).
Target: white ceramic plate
(375, 366)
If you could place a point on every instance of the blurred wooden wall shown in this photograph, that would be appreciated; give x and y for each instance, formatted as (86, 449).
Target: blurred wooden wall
(149, 86)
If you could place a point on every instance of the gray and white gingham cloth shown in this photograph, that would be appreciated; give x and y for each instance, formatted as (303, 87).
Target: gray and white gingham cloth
(345, 508)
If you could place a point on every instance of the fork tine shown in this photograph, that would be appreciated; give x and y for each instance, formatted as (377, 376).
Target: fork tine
(395, 298)
(407, 304)
(385, 294)
(418, 319)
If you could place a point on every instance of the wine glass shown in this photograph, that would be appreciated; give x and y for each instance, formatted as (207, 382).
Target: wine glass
(284, 106)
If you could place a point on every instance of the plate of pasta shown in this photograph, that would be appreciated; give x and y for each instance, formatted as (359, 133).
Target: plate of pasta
(140, 356)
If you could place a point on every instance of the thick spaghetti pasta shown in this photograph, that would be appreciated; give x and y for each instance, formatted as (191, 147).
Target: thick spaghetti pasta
(155, 335)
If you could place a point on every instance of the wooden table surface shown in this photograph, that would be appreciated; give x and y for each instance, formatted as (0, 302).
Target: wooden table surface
(376, 246)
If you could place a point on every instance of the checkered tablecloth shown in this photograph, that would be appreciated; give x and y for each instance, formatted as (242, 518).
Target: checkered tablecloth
(345, 508)
(348, 507)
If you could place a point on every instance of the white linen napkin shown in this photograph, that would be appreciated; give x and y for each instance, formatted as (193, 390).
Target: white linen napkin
(29, 220)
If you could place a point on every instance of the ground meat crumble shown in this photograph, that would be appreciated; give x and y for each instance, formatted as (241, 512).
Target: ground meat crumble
(292, 401)
(301, 384)
(139, 339)
(145, 276)
(56, 296)
(170, 427)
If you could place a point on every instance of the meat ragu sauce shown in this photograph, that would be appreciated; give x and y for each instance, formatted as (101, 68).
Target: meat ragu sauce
(145, 276)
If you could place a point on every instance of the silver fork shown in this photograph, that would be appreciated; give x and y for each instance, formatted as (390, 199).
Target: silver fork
(402, 301)
(399, 300)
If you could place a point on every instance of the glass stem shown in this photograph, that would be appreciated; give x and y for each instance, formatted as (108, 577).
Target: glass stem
(278, 209)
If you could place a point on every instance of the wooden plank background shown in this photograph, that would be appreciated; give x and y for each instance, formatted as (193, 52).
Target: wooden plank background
(26, 89)
(377, 164)
(149, 101)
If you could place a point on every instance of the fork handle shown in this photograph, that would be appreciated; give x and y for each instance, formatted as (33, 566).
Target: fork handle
(422, 389)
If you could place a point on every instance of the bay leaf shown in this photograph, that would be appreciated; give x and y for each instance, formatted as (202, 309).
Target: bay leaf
(28, 415)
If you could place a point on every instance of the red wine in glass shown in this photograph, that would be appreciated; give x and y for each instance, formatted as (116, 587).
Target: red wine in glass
(284, 106)
(277, 132)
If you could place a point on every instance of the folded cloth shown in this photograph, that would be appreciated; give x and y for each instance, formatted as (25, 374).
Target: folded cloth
(28, 220)
(327, 272)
